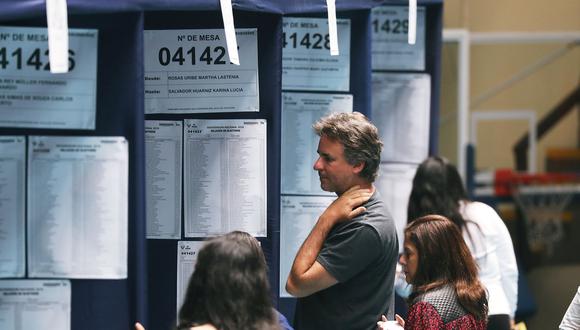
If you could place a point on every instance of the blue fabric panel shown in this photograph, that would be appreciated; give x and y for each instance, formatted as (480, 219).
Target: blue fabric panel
(24, 9)
(113, 304)
(162, 286)
(434, 35)
(287, 306)
(117, 304)
(319, 6)
(20, 9)
(360, 59)
(162, 253)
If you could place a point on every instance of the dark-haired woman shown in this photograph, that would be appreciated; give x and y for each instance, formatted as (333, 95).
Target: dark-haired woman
(446, 291)
(438, 189)
(229, 288)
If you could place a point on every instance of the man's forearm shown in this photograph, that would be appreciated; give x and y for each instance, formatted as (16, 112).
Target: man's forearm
(306, 256)
(311, 247)
(308, 276)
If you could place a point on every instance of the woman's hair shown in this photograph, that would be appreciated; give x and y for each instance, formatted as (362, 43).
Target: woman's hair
(358, 136)
(229, 286)
(443, 258)
(437, 189)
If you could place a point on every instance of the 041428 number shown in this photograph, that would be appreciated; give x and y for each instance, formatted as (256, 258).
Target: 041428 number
(308, 41)
(395, 26)
(181, 56)
(37, 59)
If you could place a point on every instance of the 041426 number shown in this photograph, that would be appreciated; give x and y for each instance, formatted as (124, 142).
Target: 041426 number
(37, 59)
(181, 56)
(308, 41)
(395, 26)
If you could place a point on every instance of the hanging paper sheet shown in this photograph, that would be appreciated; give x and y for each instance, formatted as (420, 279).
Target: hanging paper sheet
(188, 71)
(31, 96)
(390, 48)
(306, 60)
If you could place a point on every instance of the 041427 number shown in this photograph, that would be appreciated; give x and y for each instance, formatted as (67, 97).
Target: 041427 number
(181, 56)
(395, 26)
(37, 59)
(308, 41)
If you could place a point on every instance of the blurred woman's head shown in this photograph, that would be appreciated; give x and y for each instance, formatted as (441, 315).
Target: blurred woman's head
(229, 286)
(437, 189)
(435, 254)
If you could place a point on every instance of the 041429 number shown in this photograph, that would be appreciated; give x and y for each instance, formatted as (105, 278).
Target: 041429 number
(181, 56)
(37, 59)
(395, 26)
(308, 41)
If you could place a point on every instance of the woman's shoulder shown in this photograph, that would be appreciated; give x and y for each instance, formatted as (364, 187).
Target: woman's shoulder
(441, 292)
(482, 215)
(475, 208)
(444, 300)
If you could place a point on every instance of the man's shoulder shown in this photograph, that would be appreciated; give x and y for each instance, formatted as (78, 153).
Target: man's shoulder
(377, 215)
(376, 207)
(379, 219)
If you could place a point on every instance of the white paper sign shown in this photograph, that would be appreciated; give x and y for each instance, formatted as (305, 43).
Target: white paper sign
(225, 177)
(390, 46)
(395, 182)
(299, 141)
(35, 304)
(401, 111)
(298, 214)
(12, 181)
(188, 71)
(57, 24)
(32, 97)
(186, 258)
(163, 145)
(77, 207)
(230, 31)
(306, 60)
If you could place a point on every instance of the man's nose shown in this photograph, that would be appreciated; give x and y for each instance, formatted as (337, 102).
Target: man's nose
(402, 260)
(317, 166)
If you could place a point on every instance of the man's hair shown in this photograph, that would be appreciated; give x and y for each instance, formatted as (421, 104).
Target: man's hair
(359, 137)
(229, 288)
(444, 258)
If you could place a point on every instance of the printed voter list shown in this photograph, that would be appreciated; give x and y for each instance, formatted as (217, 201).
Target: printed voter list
(186, 259)
(163, 154)
(401, 111)
(35, 304)
(12, 180)
(224, 176)
(77, 207)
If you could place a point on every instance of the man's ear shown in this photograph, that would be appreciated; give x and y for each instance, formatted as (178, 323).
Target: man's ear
(358, 167)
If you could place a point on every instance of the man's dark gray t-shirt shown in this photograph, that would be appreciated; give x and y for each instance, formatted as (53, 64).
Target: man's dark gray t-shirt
(361, 254)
